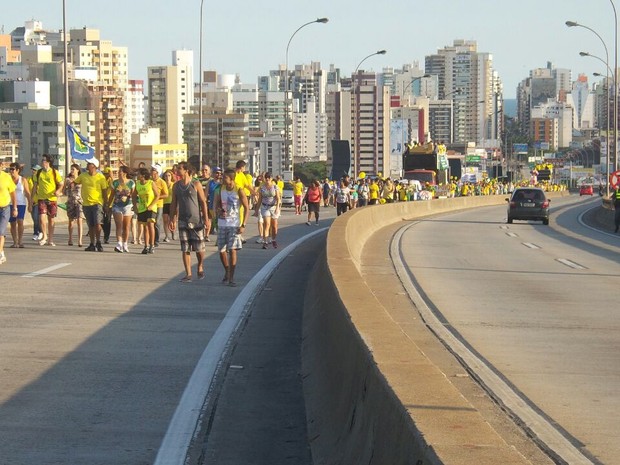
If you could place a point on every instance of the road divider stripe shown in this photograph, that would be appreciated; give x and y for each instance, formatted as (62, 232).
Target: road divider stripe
(49, 269)
(529, 245)
(571, 264)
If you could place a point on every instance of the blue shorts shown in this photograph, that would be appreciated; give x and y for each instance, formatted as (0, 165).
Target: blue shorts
(21, 214)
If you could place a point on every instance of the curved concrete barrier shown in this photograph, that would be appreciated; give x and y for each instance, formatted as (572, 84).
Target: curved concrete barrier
(372, 396)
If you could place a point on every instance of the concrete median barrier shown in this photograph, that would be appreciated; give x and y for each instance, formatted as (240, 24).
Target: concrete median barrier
(372, 395)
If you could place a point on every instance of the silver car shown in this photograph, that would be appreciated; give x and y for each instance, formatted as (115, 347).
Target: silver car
(528, 203)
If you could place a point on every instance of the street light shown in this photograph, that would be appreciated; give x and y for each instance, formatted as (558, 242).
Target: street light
(575, 24)
(615, 74)
(355, 92)
(200, 92)
(412, 81)
(457, 92)
(66, 85)
(287, 153)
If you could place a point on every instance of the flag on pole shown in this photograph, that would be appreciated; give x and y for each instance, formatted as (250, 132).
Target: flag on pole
(79, 147)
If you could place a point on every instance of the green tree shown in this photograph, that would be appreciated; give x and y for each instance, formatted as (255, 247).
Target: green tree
(311, 171)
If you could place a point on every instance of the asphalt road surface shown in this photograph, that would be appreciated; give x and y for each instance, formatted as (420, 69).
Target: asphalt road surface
(538, 305)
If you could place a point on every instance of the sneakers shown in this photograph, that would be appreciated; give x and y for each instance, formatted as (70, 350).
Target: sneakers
(2, 258)
(40, 236)
(166, 240)
(260, 240)
(90, 248)
(264, 245)
(145, 250)
(35, 237)
(118, 249)
(151, 249)
(125, 248)
(316, 224)
(274, 243)
(99, 247)
(308, 223)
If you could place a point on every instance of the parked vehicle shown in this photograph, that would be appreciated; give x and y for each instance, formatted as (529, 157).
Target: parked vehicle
(528, 203)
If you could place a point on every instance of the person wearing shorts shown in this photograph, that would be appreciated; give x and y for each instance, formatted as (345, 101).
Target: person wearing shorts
(270, 201)
(48, 186)
(8, 208)
(145, 197)
(188, 214)
(94, 194)
(229, 202)
(120, 196)
(24, 201)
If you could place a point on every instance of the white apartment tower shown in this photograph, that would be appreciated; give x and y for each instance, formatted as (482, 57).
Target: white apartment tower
(170, 91)
(134, 109)
(310, 135)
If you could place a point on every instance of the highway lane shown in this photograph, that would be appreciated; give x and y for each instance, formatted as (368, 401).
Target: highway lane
(96, 349)
(538, 304)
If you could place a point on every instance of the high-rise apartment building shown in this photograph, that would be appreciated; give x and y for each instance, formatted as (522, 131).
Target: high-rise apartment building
(467, 78)
(134, 109)
(310, 135)
(171, 95)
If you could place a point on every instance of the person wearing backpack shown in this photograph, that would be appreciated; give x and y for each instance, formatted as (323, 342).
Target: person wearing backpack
(48, 186)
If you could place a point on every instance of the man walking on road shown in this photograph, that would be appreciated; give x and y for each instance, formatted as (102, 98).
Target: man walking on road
(48, 186)
(94, 193)
(188, 212)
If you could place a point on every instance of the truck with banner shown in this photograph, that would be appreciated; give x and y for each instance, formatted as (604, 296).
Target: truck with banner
(425, 163)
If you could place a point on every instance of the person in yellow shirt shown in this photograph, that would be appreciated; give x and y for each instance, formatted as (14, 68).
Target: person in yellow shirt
(242, 182)
(162, 187)
(373, 192)
(94, 194)
(8, 207)
(298, 194)
(37, 235)
(145, 196)
(48, 186)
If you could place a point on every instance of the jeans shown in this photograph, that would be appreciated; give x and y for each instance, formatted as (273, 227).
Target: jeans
(35, 219)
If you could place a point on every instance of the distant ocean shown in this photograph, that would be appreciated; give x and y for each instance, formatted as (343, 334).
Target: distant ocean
(510, 107)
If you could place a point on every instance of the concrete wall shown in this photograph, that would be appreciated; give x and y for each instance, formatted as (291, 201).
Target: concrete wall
(372, 395)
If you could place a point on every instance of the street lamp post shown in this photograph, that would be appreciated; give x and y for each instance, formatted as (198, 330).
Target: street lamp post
(412, 81)
(288, 154)
(575, 24)
(200, 78)
(586, 54)
(355, 91)
(457, 92)
(66, 85)
(615, 74)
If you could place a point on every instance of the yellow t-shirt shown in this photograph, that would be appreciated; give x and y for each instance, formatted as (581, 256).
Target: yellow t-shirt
(298, 188)
(6, 187)
(280, 185)
(163, 190)
(373, 189)
(47, 184)
(241, 181)
(169, 198)
(146, 195)
(94, 188)
(35, 197)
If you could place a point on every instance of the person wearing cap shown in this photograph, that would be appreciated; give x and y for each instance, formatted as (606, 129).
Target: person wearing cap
(48, 186)
(94, 194)
(8, 208)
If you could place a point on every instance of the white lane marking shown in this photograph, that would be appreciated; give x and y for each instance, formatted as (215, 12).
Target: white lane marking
(569, 263)
(49, 269)
(511, 234)
(186, 419)
(505, 395)
(530, 245)
(504, 227)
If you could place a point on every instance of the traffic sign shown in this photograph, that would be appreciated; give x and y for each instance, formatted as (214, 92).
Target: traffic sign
(614, 179)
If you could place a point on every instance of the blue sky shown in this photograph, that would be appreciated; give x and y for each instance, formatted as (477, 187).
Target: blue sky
(249, 37)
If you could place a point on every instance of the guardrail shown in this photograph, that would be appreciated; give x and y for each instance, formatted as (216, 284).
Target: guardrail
(362, 373)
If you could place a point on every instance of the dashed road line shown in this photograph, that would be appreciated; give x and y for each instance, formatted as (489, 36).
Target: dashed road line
(530, 245)
(49, 269)
(571, 264)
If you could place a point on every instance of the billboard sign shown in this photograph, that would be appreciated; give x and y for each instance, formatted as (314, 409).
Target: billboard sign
(519, 148)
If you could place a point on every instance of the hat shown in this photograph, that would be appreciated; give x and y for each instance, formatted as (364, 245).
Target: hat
(157, 167)
(217, 170)
(93, 161)
(36, 167)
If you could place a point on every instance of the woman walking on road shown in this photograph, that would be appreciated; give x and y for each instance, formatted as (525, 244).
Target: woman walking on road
(121, 196)
(73, 192)
(270, 201)
(313, 200)
(24, 202)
